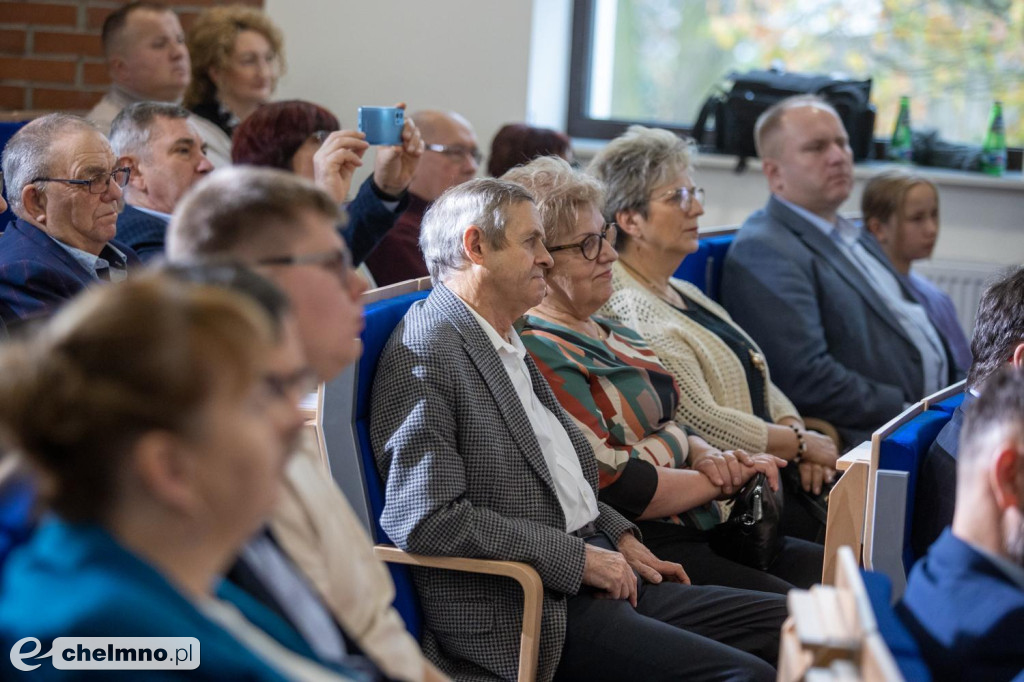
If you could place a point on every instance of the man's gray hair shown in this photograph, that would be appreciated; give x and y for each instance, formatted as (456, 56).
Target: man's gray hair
(483, 202)
(633, 164)
(29, 153)
(131, 129)
(244, 210)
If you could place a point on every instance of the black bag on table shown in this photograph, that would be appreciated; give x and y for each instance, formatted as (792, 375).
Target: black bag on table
(735, 112)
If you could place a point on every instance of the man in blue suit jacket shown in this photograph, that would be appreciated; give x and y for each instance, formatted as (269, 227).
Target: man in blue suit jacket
(847, 342)
(998, 341)
(965, 601)
(64, 186)
(167, 156)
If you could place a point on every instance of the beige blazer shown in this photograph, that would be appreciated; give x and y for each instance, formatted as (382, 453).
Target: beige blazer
(715, 400)
(317, 528)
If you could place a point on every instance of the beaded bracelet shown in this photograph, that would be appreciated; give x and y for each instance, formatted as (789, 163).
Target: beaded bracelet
(801, 448)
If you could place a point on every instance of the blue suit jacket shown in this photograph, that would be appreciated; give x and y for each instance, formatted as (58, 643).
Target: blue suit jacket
(834, 347)
(144, 232)
(966, 614)
(369, 220)
(36, 274)
(75, 580)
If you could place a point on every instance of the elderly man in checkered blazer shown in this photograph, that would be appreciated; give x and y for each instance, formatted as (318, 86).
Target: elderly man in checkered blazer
(481, 461)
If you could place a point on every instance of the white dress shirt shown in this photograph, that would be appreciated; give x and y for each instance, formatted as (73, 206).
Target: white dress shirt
(579, 504)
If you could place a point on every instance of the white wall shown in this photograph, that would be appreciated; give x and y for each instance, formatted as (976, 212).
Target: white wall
(470, 56)
(497, 62)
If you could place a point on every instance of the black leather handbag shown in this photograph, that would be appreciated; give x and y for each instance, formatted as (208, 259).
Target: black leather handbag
(752, 535)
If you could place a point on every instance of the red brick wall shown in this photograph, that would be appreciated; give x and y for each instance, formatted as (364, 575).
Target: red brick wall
(50, 51)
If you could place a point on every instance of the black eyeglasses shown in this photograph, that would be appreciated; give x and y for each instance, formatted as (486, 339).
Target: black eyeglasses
(590, 246)
(337, 262)
(684, 196)
(99, 184)
(457, 151)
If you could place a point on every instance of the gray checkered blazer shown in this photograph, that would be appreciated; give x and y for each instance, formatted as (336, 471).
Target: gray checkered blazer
(465, 477)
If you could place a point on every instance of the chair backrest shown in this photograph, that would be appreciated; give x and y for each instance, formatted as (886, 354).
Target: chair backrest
(346, 425)
(947, 399)
(899, 446)
(703, 269)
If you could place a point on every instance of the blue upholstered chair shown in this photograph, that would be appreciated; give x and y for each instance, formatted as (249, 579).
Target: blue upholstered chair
(947, 399)
(703, 269)
(345, 419)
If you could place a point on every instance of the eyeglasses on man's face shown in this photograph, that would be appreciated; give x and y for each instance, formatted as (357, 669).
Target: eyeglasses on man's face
(337, 262)
(98, 184)
(684, 197)
(590, 246)
(457, 152)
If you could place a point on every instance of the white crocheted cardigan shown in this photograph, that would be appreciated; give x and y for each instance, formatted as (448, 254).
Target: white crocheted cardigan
(715, 399)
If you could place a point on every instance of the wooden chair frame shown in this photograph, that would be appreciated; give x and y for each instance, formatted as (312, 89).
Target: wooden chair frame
(524, 574)
(942, 394)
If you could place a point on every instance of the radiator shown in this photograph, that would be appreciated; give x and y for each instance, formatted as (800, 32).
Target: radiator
(964, 281)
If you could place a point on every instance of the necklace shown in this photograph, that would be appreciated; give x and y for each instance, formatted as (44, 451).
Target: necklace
(665, 292)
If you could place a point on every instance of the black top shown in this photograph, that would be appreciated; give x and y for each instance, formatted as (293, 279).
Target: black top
(218, 114)
(744, 350)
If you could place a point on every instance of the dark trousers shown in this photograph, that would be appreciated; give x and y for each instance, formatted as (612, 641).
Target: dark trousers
(676, 632)
(798, 565)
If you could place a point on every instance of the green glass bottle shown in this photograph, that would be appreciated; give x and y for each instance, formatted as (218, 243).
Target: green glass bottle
(993, 151)
(901, 149)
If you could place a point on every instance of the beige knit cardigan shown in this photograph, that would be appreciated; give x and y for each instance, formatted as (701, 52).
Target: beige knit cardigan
(715, 399)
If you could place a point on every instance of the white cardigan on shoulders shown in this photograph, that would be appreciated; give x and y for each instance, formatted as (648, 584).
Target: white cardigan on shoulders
(715, 400)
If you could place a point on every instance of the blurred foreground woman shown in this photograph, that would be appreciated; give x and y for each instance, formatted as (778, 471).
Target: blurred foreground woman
(152, 417)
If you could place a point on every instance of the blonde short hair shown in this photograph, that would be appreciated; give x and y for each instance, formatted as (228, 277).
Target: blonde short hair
(559, 192)
(212, 39)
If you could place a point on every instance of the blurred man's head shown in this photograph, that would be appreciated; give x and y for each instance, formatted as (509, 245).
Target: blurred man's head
(990, 468)
(145, 48)
(287, 229)
(163, 149)
(805, 154)
(451, 157)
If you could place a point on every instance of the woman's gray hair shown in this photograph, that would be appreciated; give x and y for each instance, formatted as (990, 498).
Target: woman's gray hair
(483, 202)
(636, 162)
(29, 153)
(560, 192)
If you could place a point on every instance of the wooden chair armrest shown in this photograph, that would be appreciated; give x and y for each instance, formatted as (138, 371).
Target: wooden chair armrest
(822, 426)
(524, 574)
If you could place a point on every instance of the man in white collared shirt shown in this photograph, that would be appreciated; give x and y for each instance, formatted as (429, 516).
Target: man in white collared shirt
(166, 155)
(481, 461)
(846, 341)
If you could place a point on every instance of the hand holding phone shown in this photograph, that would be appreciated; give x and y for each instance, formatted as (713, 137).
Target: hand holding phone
(382, 125)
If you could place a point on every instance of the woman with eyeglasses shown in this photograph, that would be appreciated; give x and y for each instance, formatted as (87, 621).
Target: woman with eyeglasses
(154, 416)
(728, 396)
(651, 468)
(306, 139)
(237, 58)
